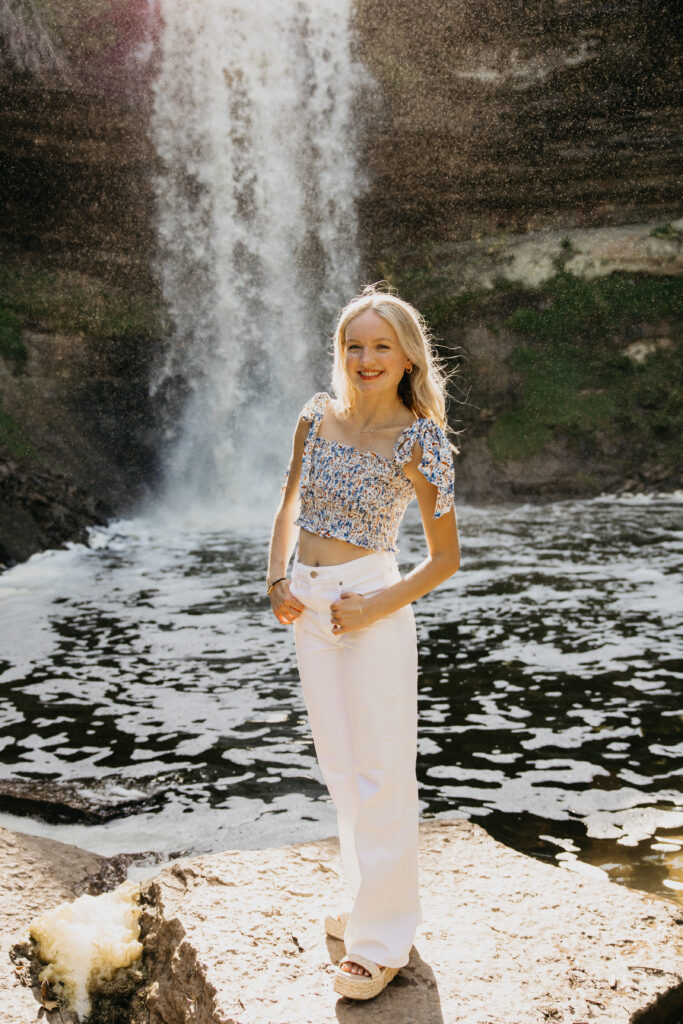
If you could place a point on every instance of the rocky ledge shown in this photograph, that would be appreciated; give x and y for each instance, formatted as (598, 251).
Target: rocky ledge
(236, 938)
(42, 509)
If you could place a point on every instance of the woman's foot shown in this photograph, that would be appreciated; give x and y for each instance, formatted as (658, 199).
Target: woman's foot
(358, 977)
(335, 925)
(351, 967)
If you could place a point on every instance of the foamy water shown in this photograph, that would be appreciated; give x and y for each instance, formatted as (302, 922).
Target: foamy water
(149, 700)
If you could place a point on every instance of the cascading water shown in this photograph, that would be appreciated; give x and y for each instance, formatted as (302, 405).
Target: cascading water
(253, 125)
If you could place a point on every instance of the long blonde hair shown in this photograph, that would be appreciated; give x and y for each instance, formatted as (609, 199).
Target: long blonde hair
(423, 390)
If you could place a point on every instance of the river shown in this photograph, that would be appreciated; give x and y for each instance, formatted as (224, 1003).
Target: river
(149, 702)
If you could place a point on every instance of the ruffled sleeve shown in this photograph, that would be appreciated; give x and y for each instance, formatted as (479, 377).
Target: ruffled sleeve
(312, 413)
(436, 463)
(313, 410)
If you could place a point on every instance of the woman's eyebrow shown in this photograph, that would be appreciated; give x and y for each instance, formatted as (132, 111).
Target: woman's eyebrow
(356, 340)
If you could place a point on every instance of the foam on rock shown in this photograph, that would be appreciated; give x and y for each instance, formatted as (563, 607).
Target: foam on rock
(85, 942)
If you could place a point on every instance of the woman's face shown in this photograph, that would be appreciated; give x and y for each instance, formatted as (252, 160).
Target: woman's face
(373, 358)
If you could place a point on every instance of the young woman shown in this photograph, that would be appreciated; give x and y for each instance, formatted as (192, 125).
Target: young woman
(358, 459)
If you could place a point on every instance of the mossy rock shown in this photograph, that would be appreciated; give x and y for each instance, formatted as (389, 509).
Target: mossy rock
(11, 344)
(13, 438)
(118, 1001)
(72, 303)
(574, 376)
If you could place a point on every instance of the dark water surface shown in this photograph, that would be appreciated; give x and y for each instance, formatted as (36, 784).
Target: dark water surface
(149, 701)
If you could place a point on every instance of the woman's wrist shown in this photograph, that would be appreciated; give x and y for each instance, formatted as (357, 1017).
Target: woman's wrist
(275, 572)
(375, 607)
(388, 600)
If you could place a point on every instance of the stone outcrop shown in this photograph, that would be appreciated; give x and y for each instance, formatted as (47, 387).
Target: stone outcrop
(81, 406)
(42, 509)
(613, 430)
(516, 117)
(237, 937)
(76, 160)
(37, 874)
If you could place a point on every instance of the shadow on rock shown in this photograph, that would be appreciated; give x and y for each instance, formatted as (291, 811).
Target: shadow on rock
(412, 996)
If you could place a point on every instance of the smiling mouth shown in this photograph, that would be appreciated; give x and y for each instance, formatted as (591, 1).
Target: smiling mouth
(368, 375)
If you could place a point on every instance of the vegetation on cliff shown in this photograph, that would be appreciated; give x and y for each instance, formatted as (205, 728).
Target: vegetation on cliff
(575, 373)
(587, 366)
(66, 301)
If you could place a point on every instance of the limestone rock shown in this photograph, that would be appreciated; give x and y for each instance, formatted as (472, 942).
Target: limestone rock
(237, 937)
(35, 875)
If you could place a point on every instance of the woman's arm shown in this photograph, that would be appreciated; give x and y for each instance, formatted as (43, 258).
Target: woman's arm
(355, 612)
(284, 535)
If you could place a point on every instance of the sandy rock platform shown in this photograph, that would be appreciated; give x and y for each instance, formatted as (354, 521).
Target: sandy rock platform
(35, 875)
(236, 938)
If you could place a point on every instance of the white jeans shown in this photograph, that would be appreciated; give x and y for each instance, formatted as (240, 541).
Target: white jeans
(361, 694)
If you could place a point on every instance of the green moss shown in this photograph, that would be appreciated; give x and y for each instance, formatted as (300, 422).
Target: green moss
(572, 308)
(425, 285)
(556, 395)
(515, 435)
(504, 284)
(64, 302)
(573, 376)
(13, 437)
(11, 343)
(119, 1001)
(667, 231)
(439, 313)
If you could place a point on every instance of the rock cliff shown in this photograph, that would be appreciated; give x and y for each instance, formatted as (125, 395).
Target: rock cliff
(479, 123)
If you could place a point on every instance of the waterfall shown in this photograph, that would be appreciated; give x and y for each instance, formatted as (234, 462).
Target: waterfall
(254, 129)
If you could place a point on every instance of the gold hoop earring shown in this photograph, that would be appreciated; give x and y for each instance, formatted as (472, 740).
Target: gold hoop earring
(409, 369)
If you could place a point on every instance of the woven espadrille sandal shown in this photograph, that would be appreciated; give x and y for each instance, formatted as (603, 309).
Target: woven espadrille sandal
(358, 986)
(335, 925)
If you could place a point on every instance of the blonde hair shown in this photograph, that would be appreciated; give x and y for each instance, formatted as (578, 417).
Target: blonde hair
(423, 390)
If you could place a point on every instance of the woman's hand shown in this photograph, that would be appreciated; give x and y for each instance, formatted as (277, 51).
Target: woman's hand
(351, 611)
(285, 606)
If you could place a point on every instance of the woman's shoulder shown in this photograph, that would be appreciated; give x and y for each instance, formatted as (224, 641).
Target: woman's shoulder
(314, 406)
(435, 462)
(423, 431)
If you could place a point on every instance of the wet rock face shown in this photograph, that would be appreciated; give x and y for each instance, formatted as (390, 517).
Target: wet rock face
(42, 509)
(75, 176)
(75, 155)
(82, 406)
(517, 116)
(486, 117)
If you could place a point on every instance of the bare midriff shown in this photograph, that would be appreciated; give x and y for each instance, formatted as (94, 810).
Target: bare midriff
(316, 550)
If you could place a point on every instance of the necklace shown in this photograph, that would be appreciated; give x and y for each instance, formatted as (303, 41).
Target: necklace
(373, 430)
(366, 430)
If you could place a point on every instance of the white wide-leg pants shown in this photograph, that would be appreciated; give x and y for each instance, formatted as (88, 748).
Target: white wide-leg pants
(361, 694)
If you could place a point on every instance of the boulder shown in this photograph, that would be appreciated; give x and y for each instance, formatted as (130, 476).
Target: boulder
(236, 938)
(37, 874)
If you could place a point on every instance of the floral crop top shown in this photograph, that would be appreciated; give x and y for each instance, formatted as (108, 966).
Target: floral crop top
(361, 497)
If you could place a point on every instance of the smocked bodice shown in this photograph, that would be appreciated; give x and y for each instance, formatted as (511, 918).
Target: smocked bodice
(361, 497)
